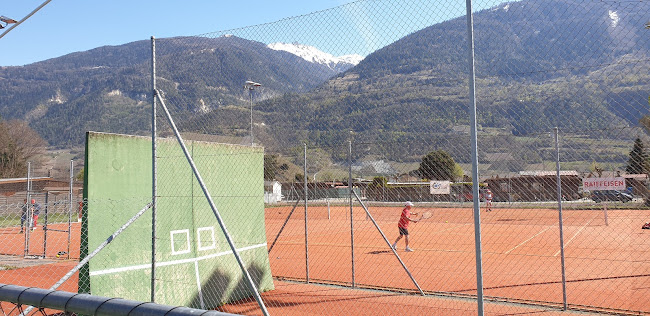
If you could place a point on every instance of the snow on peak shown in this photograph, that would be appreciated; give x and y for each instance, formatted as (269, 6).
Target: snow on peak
(314, 55)
(614, 17)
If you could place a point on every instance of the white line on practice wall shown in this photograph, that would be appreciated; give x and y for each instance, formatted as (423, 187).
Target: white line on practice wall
(186, 233)
(173, 262)
(198, 283)
(212, 244)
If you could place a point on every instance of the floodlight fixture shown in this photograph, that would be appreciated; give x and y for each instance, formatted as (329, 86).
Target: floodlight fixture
(251, 85)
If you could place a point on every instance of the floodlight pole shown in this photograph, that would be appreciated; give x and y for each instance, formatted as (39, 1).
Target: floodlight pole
(250, 85)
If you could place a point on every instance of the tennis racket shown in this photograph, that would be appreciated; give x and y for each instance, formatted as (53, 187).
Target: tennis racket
(426, 215)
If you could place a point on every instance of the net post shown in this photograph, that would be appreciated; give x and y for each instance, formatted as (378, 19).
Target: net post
(559, 207)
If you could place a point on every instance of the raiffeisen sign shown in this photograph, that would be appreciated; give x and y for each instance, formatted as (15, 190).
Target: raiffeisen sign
(591, 184)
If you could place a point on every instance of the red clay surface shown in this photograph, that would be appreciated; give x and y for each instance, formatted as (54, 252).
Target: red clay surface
(607, 262)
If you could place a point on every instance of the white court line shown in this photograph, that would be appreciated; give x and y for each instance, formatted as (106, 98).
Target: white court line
(198, 283)
(173, 262)
(529, 239)
(574, 236)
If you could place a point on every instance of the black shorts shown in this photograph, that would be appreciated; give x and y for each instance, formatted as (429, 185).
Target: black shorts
(403, 231)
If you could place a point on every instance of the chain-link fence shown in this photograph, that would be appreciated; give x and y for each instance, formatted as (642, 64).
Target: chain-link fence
(296, 166)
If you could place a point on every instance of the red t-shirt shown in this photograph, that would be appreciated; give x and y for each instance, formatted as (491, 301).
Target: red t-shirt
(404, 219)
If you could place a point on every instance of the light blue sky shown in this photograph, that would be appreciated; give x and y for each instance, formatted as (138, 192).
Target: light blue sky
(66, 26)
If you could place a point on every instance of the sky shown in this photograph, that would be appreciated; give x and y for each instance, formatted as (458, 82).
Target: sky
(352, 27)
(65, 26)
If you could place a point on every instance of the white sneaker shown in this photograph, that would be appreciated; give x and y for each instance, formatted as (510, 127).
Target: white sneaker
(409, 249)
(394, 246)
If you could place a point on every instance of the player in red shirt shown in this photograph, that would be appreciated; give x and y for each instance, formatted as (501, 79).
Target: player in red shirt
(403, 225)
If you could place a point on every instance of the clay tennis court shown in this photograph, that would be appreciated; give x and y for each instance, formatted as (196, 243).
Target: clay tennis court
(607, 263)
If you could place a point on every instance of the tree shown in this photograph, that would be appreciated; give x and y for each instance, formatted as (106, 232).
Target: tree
(437, 165)
(379, 182)
(270, 166)
(18, 144)
(638, 161)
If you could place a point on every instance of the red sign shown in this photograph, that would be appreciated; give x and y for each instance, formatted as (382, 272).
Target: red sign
(591, 184)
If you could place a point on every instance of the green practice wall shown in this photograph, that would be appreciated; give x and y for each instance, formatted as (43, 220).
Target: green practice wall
(194, 264)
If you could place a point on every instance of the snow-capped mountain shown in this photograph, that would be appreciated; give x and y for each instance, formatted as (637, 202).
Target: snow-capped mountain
(314, 55)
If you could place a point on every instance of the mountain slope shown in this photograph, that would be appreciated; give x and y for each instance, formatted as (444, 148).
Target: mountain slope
(539, 64)
(63, 97)
(577, 67)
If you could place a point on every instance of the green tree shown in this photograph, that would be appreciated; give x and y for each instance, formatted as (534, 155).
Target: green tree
(638, 161)
(437, 165)
(379, 182)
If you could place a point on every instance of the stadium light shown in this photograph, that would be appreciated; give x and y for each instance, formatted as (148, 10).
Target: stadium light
(250, 85)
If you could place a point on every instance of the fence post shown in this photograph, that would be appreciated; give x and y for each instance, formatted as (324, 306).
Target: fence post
(154, 171)
(28, 213)
(306, 226)
(351, 212)
(474, 146)
(559, 207)
(45, 209)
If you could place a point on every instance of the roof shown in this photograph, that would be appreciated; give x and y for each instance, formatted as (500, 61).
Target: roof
(548, 173)
(23, 180)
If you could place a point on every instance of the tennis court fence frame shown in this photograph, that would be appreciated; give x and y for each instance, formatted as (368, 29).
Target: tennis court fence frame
(47, 199)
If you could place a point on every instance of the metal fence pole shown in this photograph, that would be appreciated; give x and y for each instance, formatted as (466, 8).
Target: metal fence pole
(559, 207)
(28, 212)
(70, 207)
(306, 226)
(154, 170)
(45, 209)
(351, 212)
(365, 208)
(474, 145)
(285, 221)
